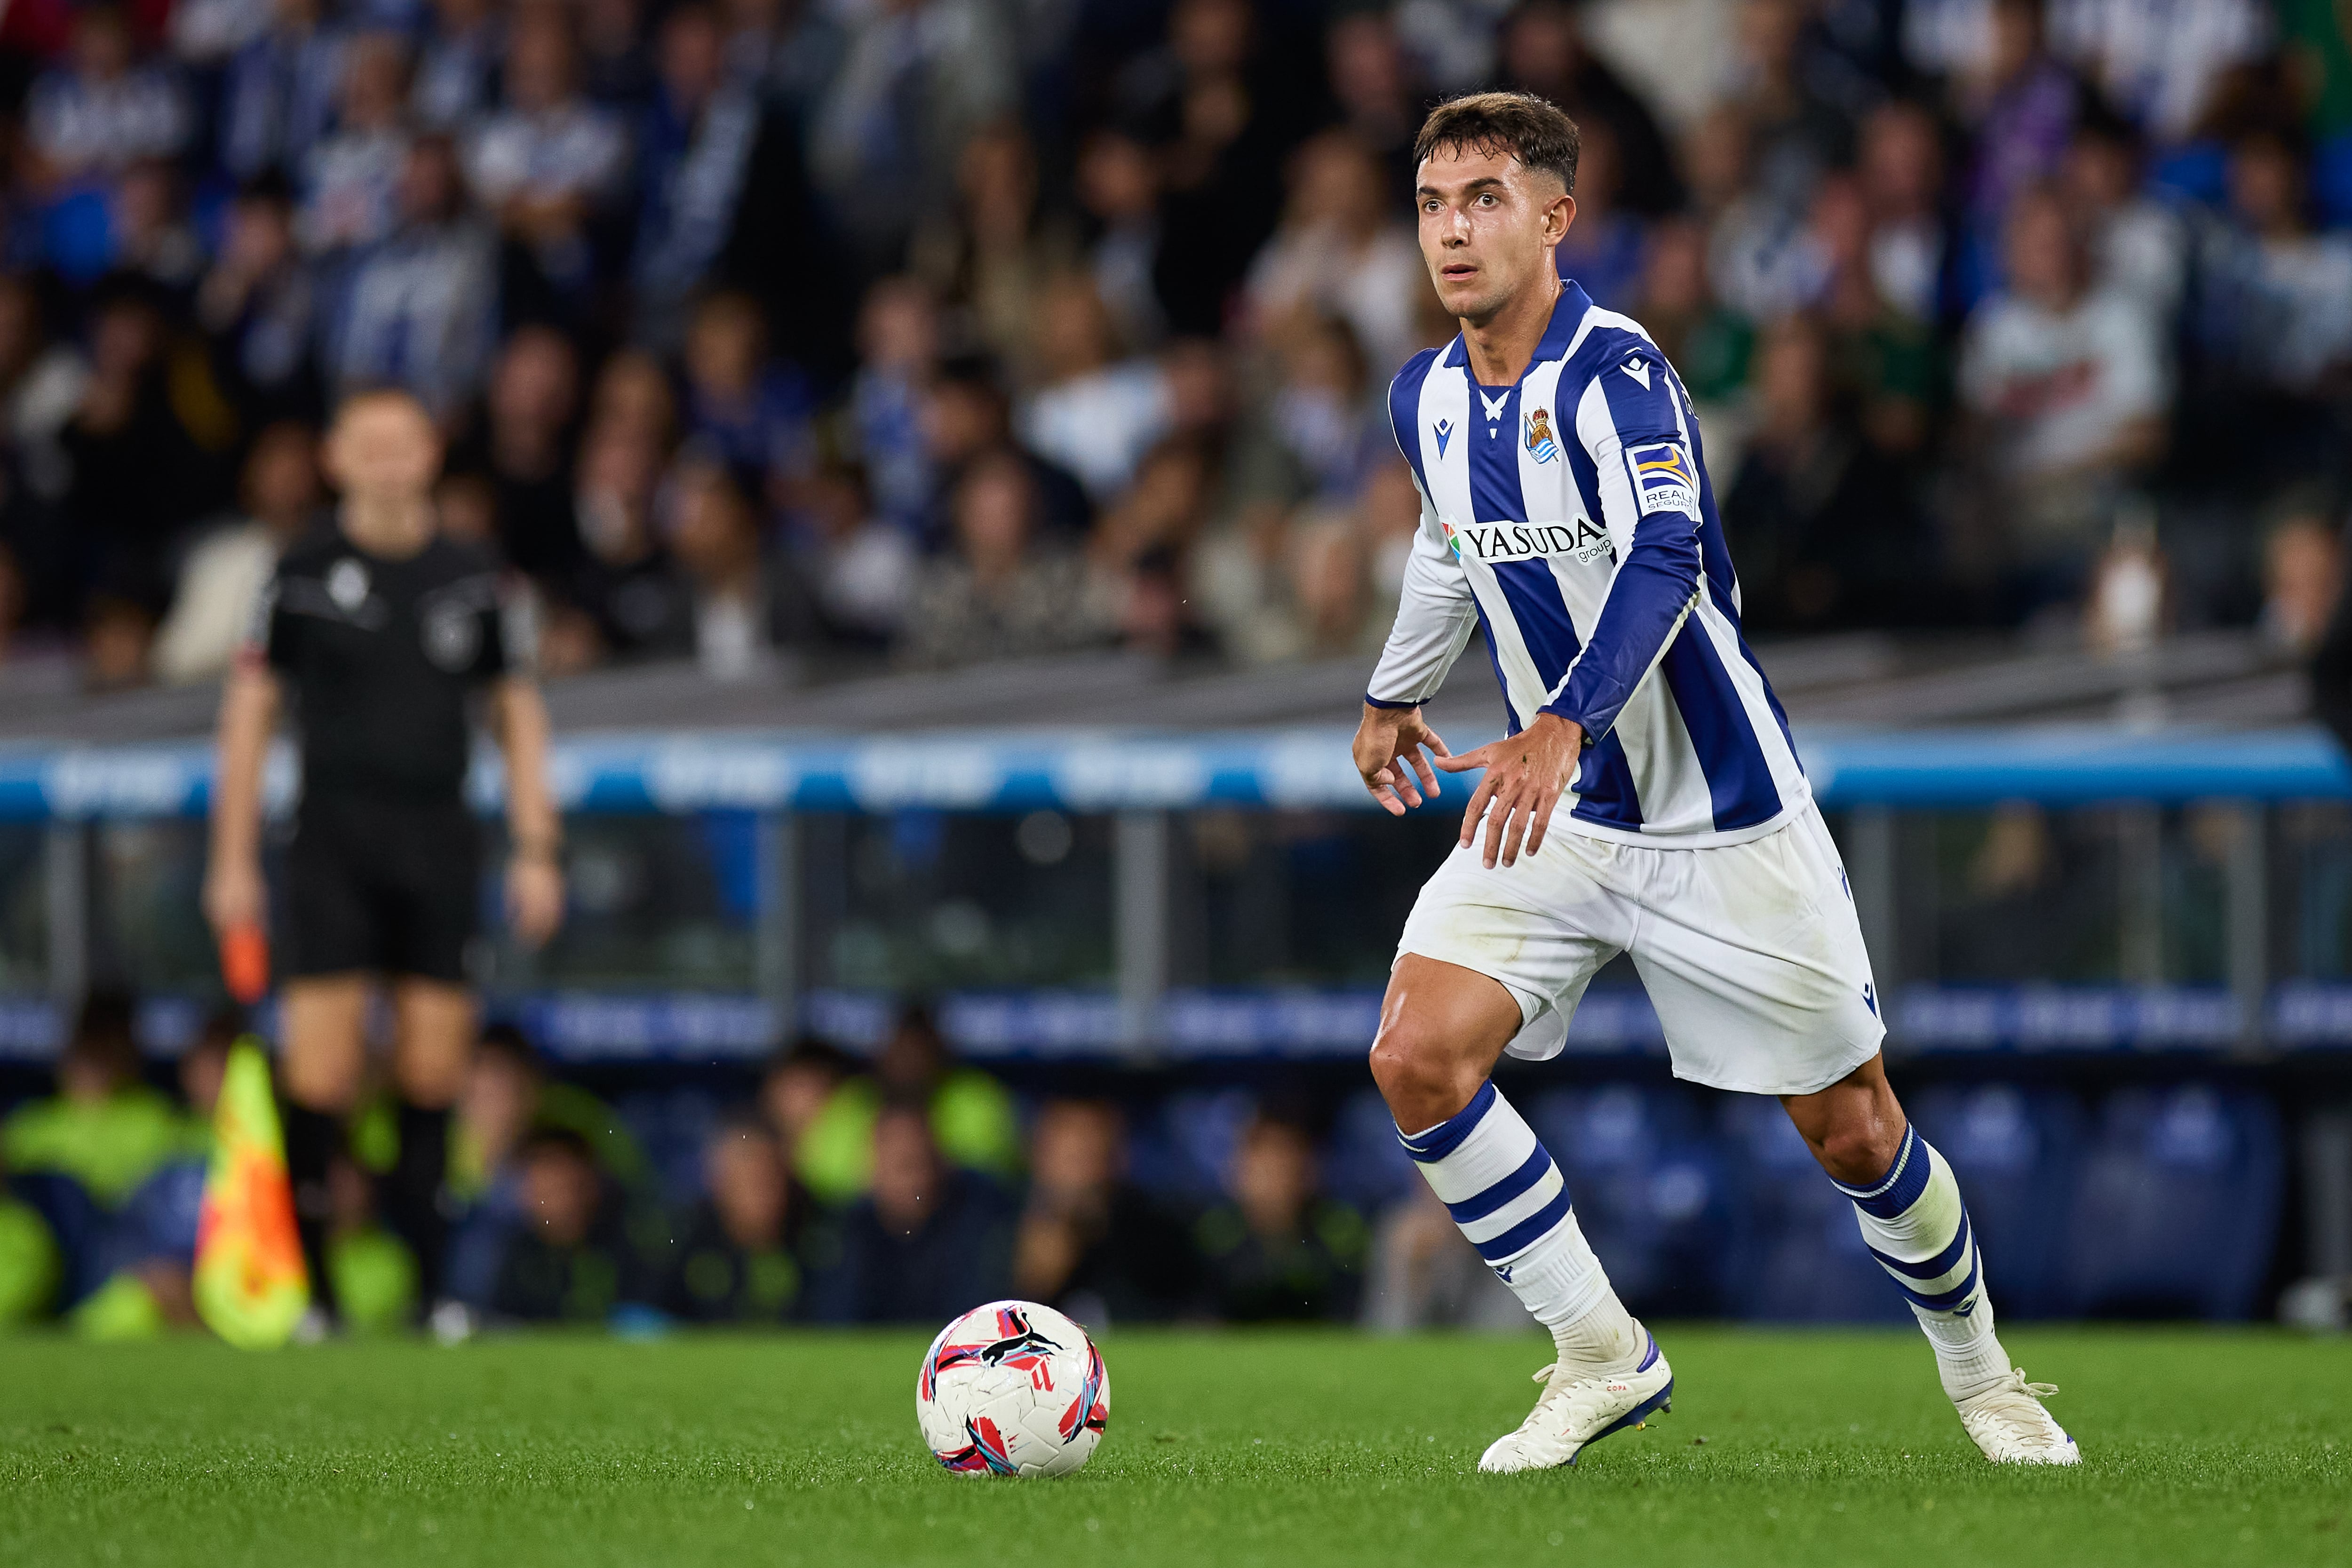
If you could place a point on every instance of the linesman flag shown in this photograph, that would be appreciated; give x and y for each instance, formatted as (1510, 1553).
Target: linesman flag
(251, 1285)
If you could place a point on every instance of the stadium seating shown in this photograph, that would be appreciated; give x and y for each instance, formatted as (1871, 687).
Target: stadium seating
(1797, 1255)
(2178, 1205)
(1654, 1197)
(2015, 1152)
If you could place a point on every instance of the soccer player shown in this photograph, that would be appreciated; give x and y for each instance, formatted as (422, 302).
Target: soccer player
(1647, 799)
(381, 631)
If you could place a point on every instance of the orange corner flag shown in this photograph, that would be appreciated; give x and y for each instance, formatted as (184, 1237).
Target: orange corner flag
(250, 1286)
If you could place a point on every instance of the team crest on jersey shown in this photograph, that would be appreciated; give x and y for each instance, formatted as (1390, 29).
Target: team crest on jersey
(1664, 478)
(1539, 436)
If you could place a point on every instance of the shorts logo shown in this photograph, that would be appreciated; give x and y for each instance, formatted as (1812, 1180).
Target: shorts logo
(1539, 436)
(1444, 430)
(1494, 542)
(1664, 479)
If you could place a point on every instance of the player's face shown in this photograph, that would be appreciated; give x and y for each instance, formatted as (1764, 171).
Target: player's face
(1488, 225)
(384, 448)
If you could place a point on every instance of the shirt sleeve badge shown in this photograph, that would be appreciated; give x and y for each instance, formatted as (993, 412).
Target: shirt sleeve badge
(1664, 478)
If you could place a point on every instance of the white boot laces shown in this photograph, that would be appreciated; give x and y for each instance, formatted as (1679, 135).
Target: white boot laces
(2017, 1404)
(1558, 1393)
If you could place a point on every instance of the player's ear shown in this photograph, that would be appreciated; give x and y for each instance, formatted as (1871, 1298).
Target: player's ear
(1558, 217)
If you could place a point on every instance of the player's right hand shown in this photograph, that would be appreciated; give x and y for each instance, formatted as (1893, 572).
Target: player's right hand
(1389, 742)
(235, 898)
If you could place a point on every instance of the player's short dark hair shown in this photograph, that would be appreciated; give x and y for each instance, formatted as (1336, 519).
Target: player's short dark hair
(1519, 124)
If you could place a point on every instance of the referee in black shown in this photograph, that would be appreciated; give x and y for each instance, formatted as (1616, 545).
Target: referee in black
(380, 631)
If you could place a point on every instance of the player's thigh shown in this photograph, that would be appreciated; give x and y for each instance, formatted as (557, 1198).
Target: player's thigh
(322, 1039)
(1443, 1027)
(1540, 929)
(433, 1026)
(1752, 954)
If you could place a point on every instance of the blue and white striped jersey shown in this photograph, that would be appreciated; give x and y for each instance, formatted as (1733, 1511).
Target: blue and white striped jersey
(1570, 517)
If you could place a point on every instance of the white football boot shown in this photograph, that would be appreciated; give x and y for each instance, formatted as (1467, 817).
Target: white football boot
(2009, 1425)
(1580, 1406)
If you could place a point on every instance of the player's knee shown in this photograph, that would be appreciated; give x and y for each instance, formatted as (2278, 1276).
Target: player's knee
(1416, 1074)
(1858, 1153)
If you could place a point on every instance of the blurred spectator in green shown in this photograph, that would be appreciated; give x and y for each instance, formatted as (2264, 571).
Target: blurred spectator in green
(152, 1241)
(738, 1261)
(569, 1260)
(28, 1263)
(104, 1128)
(1276, 1250)
(507, 1098)
(798, 1086)
(1091, 1242)
(972, 1117)
(928, 1242)
(374, 1274)
(508, 1094)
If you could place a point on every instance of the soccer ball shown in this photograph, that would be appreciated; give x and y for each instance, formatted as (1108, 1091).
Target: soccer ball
(1011, 1389)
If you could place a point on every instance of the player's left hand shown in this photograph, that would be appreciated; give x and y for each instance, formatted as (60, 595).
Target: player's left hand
(1526, 776)
(534, 897)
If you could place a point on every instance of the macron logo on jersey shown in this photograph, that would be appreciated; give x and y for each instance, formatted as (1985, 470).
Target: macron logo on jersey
(1664, 478)
(1494, 542)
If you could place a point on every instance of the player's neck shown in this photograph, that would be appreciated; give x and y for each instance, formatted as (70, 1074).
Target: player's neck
(1501, 346)
(390, 527)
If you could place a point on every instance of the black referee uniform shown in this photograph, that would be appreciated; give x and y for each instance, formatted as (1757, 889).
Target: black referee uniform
(380, 660)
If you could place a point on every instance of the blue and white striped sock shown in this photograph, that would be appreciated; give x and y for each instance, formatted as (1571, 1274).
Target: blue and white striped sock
(1502, 1188)
(1916, 1226)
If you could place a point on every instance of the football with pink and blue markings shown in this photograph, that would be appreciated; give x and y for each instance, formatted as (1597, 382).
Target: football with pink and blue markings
(1012, 1388)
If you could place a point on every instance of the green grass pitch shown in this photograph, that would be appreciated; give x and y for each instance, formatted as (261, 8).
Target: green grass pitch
(1286, 1449)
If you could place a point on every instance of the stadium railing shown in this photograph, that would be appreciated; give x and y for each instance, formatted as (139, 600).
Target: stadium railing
(1178, 896)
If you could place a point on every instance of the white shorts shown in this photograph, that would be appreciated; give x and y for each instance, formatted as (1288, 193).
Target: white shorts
(1752, 953)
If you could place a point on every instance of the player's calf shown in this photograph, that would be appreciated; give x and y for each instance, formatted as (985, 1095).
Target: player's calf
(1507, 1195)
(1908, 1205)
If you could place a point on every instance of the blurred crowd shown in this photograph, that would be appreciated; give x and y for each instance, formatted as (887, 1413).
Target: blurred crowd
(901, 1186)
(844, 1190)
(778, 333)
